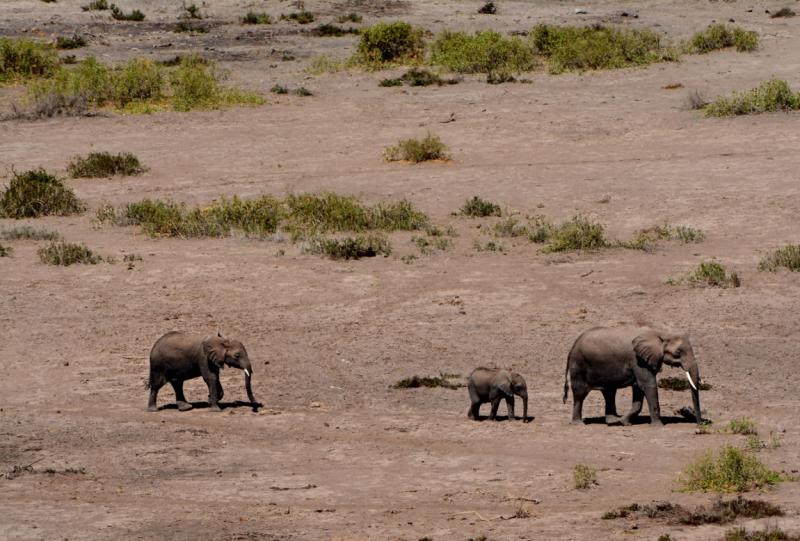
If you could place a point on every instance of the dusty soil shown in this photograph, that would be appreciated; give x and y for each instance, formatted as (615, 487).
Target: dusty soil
(336, 453)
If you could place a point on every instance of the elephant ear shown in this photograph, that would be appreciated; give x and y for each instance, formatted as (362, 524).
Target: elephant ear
(518, 382)
(503, 383)
(214, 348)
(649, 347)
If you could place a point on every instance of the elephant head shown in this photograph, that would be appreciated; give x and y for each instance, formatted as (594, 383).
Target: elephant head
(655, 347)
(224, 351)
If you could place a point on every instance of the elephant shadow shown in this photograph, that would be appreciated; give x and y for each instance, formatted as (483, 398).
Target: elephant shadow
(224, 405)
(528, 419)
(643, 420)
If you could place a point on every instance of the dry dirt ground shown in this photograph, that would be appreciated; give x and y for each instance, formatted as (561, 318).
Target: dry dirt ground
(335, 453)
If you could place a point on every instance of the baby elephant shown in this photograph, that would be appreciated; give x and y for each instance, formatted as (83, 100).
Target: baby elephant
(492, 385)
(176, 357)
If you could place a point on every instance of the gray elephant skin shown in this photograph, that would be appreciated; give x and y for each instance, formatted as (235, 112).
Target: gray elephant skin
(612, 358)
(493, 385)
(177, 357)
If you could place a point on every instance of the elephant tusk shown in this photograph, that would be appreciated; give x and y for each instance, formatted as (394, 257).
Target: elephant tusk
(247, 373)
(690, 381)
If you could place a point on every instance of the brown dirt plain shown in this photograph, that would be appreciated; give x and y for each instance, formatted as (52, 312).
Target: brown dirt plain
(335, 453)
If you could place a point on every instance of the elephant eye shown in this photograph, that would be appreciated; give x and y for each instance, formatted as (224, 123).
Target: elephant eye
(677, 353)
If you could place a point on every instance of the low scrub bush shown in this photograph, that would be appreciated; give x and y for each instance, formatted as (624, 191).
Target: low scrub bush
(73, 42)
(721, 36)
(730, 470)
(327, 64)
(118, 14)
(26, 232)
(192, 11)
(597, 47)
(96, 5)
(105, 164)
(22, 58)
(720, 512)
(331, 30)
(483, 52)
(489, 246)
(679, 384)
(349, 18)
(417, 150)
(579, 233)
(5, 251)
(428, 245)
(38, 193)
(442, 380)
(300, 17)
(487, 9)
(769, 533)
(356, 247)
(186, 26)
(647, 239)
(387, 43)
(769, 97)
(583, 476)
(787, 257)
(254, 17)
(64, 253)
(477, 207)
(742, 426)
(391, 82)
(708, 274)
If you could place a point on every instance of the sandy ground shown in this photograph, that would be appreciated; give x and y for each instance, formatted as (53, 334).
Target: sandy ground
(335, 452)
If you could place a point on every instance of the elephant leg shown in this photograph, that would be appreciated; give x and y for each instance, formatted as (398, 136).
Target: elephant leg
(213, 391)
(651, 394)
(495, 405)
(610, 397)
(474, 411)
(156, 382)
(579, 393)
(510, 407)
(636, 406)
(183, 405)
(220, 392)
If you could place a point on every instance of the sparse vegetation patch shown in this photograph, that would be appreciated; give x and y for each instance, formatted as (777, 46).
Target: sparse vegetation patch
(105, 164)
(742, 426)
(300, 17)
(96, 5)
(787, 257)
(721, 36)
(769, 533)
(648, 239)
(331, 30)
(38, 193)
(26, 232)
(356, 247)
(442, 380)
(720, 512)
(729, 470)
(769, 97)
(5, 251)
(389, 43)
(118, 14)
(253, 17)
(477, 207)
(417, 150)
(64, 253)
(483, 52)
(583, 476)
(22, 58)
(579, 233)
(72, 42)
(570, 48)
(708, 274)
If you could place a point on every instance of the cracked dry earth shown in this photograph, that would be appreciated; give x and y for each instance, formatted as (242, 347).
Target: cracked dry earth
(336, 453)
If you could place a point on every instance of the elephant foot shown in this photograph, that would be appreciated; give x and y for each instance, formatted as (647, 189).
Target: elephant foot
(626, 421)
(152, 408)
(613, 420)
(215, 408)
(184, 406)
(577, 422)
(656, 423)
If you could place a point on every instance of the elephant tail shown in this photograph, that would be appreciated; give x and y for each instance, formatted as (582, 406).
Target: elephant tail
(148, 384)
(566, 374)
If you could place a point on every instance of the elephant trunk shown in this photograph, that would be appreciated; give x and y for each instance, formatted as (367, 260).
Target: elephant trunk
(248, 374)
(525, 408)
(693, 375)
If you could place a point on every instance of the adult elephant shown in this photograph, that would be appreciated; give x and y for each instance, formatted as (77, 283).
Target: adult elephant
(612, 358)
(176, 357)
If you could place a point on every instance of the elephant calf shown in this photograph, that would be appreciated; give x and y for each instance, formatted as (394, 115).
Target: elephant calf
(612, 358)
(176, 357)
(492, 385)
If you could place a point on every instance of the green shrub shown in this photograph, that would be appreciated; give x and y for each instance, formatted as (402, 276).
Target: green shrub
(709, 274)
(597, 47)
(96, 5)
(356, 247)
(742, 426)
(769, 533)
(21, 58)
(396, 42)
(770, 96)
(253, 17)
(331, 30)
(482, 52)
(579, 233)
(428, 245)
(442, 380)
(477, 207)
(5, 251)
(583, 476)
(137, 81)
(63, 253)
(349, 17)
(74, 42)
(417, 150)
(38, 193)
(118, 14)
(26, 232)
(647, 239)
(105, 164)
(192, 11)
(488, 9)
(279, 89)
(391, 82)
(196, 86)
(185, 26)
(787, 257)
(719, 36)
(510, 227)
(730, 470)
(300, 17)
